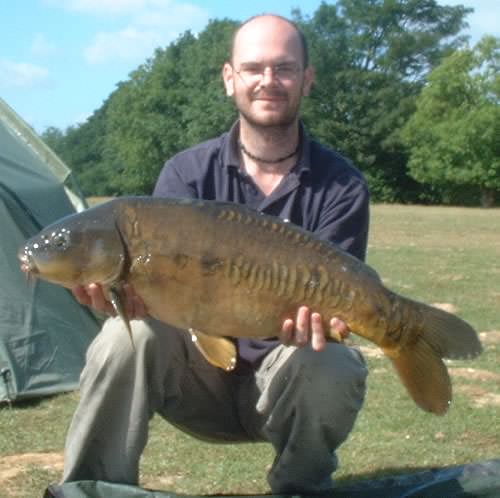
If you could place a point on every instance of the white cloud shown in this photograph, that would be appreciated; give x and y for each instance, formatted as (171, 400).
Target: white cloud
(128, 44)
(175, 16)
(145, 25)
(155, 23)
(41, 47)
(21, 75)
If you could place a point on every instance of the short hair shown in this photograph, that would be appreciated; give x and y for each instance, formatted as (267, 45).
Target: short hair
(300, 34)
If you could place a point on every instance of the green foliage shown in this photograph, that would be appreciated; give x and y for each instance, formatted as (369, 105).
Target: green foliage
(82, 148)
(173, 101)
(453, 136)
(371, 59)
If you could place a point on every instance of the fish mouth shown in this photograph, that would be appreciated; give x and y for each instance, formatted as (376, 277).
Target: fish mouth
(27, 264)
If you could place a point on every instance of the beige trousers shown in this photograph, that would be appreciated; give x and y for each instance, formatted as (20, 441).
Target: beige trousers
(303, 402)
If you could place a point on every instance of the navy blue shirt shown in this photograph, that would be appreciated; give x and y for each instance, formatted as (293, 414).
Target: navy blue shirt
(323, 193)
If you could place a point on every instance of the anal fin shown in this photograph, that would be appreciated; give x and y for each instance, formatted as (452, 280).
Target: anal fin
(218, 351)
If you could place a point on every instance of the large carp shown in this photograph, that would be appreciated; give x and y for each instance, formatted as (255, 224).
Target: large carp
(222, 270)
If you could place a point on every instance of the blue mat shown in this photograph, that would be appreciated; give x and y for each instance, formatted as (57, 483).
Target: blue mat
(465, 481)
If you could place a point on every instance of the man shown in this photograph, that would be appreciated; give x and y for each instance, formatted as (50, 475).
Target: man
(303, 400)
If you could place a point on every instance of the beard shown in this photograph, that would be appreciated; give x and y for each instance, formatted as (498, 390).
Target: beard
(269, 120)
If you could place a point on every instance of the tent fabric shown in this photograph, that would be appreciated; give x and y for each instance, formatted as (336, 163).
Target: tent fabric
(35, 146)
(480, 479)
(44, 332)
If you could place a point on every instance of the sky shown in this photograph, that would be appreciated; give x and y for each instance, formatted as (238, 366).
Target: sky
(61, 59)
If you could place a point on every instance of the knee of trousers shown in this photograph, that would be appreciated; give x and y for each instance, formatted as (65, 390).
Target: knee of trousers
(316, 395)
(113, 346)
(334, 377)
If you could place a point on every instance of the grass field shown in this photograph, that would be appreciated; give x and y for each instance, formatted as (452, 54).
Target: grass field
(446, 256)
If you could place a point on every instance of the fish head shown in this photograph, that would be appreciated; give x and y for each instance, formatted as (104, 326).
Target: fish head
(80, 249)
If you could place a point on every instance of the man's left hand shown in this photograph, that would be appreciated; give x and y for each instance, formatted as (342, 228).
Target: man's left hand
(308, 327)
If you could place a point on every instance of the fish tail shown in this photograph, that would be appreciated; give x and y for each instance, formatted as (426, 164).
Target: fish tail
(420, 362)
(425, 377)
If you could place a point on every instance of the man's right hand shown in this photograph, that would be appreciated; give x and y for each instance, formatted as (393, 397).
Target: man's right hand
(92, 295)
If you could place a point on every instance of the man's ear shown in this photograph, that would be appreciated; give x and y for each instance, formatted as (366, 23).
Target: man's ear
(228, 78)
(309, 77)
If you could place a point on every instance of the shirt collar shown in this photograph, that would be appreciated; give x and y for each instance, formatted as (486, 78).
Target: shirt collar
(231, 155)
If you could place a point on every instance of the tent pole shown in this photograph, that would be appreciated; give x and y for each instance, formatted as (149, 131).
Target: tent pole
(5, 374)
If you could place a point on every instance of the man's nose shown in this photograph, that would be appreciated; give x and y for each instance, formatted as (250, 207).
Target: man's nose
(268, 76)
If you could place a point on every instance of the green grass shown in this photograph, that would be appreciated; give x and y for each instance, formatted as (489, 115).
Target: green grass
(438, 255)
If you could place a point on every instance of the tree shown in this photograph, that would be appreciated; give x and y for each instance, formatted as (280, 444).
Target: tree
(371, 57)
(174, 100)
(82, 149)
(454, 135)
(54, 138)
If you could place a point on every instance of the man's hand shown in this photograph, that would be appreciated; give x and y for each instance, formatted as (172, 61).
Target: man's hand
(93, 295)
(309, 327)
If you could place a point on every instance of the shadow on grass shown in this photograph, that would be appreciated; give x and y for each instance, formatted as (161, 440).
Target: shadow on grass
(26, 404)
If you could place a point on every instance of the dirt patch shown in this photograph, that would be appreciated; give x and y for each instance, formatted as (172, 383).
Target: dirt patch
(371, 352)
(480, 397)
(490, 337)
(450, 308)
(13, 465)
(478, 394)
(475, 374)
(160, 482)
(93, 201)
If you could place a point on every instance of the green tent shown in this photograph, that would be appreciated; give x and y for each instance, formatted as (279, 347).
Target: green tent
(44, 332)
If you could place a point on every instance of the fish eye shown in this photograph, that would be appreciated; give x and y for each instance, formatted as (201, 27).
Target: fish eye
(60, 239)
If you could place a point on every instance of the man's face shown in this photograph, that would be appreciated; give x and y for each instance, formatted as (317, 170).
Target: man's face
(266, 77)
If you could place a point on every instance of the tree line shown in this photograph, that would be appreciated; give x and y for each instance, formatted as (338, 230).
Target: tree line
(398, 91)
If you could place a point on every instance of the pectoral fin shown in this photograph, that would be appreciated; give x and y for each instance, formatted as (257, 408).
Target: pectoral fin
(218, 351)
(116, 298)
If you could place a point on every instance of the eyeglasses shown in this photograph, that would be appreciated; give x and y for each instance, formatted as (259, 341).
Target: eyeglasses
(253, 74)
